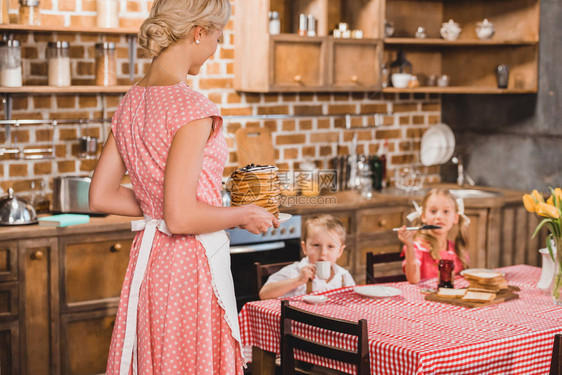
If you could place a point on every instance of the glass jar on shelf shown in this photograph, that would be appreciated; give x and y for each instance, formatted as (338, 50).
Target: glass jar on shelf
(10, 63)
(108, 13)
(59, 63)
(4, 7)
(29, 13)
(106, 64)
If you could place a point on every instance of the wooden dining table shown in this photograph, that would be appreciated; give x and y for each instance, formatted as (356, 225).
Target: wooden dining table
(411, 335)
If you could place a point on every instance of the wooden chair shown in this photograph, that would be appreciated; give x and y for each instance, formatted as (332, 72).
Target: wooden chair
(556, 362)
(373, 259)
(263, 271)
(290, 341)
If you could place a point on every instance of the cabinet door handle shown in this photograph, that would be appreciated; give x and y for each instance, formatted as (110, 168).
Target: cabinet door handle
(298, 78)
(354, 79)
(116, 247)
(383, 223)
(38, 255)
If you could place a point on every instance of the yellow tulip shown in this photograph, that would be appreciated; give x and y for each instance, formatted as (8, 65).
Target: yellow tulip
(547, 210)
(529, 203)
(550, 201)
(558, 193)
(538, 196)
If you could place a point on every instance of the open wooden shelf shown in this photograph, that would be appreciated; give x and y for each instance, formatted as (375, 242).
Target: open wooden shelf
(459, 90)
(458, 42)
(70, 29)
(65, 90)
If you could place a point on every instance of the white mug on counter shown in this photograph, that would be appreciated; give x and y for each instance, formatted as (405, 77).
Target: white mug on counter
(323, 269)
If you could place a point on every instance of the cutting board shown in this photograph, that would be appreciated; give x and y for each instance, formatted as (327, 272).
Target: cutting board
(254, 145)
(502, 296)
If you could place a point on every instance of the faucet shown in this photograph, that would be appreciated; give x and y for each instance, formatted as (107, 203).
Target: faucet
(461, 176)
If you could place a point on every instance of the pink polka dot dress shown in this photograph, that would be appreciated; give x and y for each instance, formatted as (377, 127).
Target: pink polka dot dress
(181, 324)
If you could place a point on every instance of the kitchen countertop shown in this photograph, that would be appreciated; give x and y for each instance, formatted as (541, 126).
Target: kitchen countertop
(340, 201)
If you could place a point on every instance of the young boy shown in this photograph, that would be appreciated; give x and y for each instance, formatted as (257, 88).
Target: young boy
(323, 239)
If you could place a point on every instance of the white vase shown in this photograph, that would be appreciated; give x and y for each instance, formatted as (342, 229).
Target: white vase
(547, 270)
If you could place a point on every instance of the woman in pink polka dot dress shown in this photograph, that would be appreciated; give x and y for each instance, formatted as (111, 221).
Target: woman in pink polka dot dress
(177, 313)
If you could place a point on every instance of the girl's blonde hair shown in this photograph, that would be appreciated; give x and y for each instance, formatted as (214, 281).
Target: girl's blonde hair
(172, 20)
(461, 239)
(326, 222)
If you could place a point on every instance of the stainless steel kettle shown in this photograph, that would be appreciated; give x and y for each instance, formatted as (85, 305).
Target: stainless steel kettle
(16, 211)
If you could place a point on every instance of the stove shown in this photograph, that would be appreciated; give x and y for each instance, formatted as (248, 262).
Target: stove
(276, 245)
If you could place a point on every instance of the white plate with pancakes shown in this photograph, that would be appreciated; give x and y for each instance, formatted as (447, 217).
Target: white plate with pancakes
(284, 217)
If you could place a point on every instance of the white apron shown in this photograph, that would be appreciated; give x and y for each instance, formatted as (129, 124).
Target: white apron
(217, 248)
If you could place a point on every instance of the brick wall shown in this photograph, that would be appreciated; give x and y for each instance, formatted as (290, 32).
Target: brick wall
(317, 138)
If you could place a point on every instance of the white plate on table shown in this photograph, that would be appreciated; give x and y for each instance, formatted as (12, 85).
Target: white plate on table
(284, 217)
(481, 271)
(315, 300)
(377, 291)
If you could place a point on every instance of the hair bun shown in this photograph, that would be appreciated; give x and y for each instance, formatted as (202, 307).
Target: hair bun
(154, 36)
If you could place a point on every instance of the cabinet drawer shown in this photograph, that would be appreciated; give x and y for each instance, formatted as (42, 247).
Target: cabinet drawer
(371, 221)
(94, 269)
(8, 300)
(8, 261)
(376, 248)
(85, 339)
(356, 64)
(298, 64)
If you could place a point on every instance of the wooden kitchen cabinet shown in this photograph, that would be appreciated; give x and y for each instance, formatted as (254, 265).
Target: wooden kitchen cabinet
(468, 61)
(354, 65)
(92, 268)
(289, 63)
(39, 306)
(9, 348)
(85, 339)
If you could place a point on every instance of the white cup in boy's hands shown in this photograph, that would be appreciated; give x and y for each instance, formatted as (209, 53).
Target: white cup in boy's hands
(323, 269)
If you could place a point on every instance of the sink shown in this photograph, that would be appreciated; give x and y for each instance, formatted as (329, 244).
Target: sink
(474, 193)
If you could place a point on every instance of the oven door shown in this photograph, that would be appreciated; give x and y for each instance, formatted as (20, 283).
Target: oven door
(242, 259)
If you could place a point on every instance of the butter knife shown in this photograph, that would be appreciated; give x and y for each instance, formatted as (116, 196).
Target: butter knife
(418, 228)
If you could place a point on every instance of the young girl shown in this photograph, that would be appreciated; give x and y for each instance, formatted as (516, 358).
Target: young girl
(323, 239)
(423, 249)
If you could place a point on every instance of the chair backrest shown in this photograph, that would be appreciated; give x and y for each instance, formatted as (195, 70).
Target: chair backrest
(264, 270)
(290, 341)
(556, 363)
(373, 259)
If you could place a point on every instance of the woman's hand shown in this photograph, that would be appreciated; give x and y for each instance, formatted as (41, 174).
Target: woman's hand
(406, 236)
(306, 273)
(258, 219)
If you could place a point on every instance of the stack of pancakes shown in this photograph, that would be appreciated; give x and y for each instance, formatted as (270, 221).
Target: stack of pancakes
(257, 184)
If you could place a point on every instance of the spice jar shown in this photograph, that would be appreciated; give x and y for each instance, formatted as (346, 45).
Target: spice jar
(29, 13)
(59, 63)
(10, 63)
(107, 13)
(106, 64)
(4, 18)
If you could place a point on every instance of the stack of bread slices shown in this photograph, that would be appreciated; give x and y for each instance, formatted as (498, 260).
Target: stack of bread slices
(483, 286)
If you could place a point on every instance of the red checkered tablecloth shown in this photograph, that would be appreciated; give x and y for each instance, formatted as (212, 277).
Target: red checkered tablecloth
(409, 335)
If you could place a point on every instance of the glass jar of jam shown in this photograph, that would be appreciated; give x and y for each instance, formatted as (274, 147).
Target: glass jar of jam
(446, 273)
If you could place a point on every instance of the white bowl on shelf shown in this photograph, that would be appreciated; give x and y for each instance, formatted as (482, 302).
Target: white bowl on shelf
(400, 80)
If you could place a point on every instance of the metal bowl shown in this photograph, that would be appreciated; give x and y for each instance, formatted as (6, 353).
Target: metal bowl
(16, 211)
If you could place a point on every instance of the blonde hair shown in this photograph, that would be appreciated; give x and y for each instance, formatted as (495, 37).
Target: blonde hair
(326, 222)
(461, 239)
(172, 20)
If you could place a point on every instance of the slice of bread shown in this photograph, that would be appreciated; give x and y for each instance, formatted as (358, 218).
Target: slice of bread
(451, 293)
(478, 296)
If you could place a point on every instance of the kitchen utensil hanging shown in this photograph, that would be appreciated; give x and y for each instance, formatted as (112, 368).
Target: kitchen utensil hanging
(88, 145)
(33, 153)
